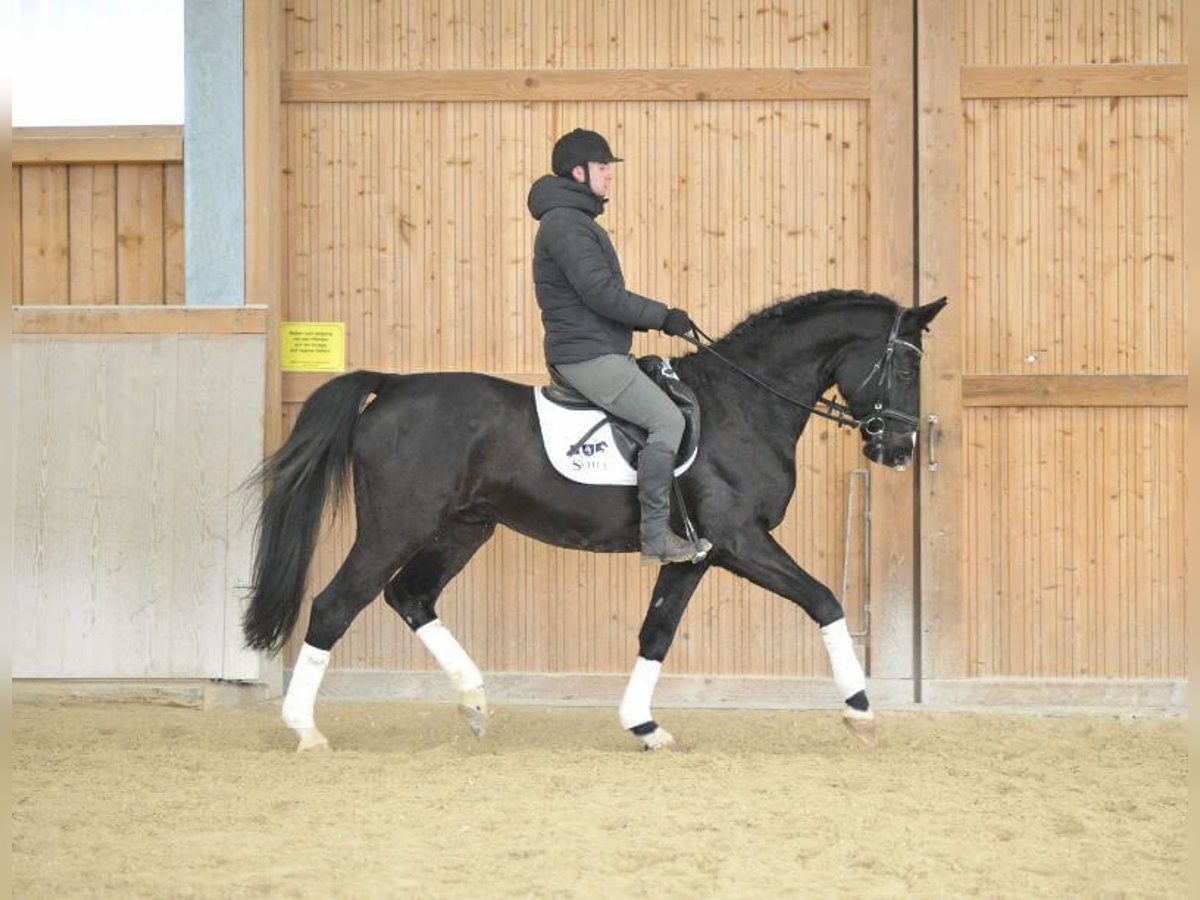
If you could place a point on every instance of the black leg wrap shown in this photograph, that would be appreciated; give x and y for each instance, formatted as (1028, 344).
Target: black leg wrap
(645, 728)
(858, 701)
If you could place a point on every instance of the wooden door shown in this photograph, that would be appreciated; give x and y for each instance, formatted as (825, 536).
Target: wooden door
(1051, 184)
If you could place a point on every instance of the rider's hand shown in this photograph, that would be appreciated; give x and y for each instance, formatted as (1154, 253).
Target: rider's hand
(678, 323)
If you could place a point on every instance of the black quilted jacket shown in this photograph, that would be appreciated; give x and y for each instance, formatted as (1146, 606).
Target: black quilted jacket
(586, 309)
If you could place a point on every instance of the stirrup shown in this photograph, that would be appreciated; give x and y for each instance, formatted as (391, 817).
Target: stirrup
(692, 551)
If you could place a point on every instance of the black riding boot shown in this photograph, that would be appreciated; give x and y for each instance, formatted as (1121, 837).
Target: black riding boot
(656, 471)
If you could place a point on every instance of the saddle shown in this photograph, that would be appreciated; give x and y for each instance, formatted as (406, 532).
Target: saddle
(581, 439)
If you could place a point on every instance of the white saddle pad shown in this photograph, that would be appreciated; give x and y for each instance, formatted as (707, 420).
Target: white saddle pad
(597, 461)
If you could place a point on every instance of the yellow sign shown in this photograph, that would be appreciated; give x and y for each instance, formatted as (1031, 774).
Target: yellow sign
(313, 347)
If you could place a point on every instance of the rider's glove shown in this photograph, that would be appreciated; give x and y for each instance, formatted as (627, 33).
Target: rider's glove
(678, 323)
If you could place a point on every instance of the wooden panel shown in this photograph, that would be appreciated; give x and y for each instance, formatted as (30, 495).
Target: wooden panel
(942, 650)
(545, 85)
(59, 146)
(18, 243)
(406, 218)
(1076, 543)
(45, 269)
(93, 235)
(141, 272)
(263, 45)
(1074, 254)
(173, 249)
(1075, 390)
(892, 232)
(576, 34)
(129, 535)
(84, 320)
(1074, 81)
(1074, 33)
(98, 233)
(1061, 455)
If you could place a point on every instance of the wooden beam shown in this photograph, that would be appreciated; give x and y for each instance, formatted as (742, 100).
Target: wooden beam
(262, 37)
(108, 144)
(102, 320)
(1112, 80)
(550, 85)
(1074, 390)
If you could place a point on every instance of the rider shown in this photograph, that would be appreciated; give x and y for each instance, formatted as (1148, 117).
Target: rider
(589, 317)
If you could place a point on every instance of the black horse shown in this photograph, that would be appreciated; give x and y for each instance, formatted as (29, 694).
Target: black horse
(440, 459)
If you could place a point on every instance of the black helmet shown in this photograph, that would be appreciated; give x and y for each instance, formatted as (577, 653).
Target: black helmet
(578, 148)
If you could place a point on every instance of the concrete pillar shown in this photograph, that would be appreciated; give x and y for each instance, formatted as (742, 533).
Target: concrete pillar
(213, 170)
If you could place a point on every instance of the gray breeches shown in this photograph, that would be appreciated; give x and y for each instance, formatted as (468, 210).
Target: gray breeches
(615, 384)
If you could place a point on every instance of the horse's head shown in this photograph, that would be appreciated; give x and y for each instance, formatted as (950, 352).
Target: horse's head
(879, 380)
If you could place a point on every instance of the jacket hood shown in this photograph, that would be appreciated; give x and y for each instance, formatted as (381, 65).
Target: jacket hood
(551, 192)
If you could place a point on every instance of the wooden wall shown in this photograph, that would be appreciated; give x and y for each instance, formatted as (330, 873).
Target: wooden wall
(413, 132)
(97, 216)
(1062, 541)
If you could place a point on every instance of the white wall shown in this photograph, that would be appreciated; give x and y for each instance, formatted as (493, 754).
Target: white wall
(131, 543)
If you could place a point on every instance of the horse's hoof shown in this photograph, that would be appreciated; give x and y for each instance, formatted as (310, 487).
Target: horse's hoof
(311, 740)
(473, 706)
(658, 739)
(861, 725)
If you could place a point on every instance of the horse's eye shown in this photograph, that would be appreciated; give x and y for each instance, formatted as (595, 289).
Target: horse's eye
(906, 376)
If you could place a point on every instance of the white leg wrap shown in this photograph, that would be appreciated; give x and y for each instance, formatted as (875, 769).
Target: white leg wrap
(450, 655)
(302, 690)
(847, 671)
(635, 705)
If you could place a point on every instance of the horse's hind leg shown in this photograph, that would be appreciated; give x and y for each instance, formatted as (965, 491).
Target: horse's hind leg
(414, 592)
(356, 584)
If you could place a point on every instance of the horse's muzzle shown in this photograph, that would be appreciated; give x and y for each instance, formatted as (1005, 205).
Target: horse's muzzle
(894, 451)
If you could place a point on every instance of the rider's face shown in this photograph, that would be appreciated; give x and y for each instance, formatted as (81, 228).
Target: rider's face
(600, 175)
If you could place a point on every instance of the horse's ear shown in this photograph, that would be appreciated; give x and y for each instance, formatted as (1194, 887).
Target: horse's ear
(923, 315)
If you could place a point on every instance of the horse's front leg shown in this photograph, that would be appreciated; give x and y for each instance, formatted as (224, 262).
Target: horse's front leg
(759, 558)
(674, 588)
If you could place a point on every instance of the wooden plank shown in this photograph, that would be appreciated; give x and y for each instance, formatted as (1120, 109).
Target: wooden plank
(80, 320)
(1098, 80)
(93, 235)
(578, 85)
(45, 268)
(1075, 390)
(941, 628)
(893, 567)
(141, 272)
(264, 123)
(105, 144)
(18, 296)
(173, 242)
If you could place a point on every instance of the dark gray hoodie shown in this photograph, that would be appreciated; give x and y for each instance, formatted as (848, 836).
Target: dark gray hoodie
(586, 310)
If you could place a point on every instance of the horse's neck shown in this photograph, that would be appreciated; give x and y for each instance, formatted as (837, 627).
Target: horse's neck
(794, 360)
(798, 365)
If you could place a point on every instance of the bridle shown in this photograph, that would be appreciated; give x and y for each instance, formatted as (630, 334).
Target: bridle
(881, 373)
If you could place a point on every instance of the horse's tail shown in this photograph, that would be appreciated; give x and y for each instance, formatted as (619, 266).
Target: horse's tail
(314, 461)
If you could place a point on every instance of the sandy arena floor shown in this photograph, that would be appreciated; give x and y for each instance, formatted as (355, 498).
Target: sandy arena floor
(142, 800)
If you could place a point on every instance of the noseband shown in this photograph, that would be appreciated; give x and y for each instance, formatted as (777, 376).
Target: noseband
(881, 373)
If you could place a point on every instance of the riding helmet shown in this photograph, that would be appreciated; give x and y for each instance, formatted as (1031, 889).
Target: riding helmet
(578, 148)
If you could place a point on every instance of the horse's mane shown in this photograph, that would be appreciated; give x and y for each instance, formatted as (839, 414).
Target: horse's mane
(804, 306)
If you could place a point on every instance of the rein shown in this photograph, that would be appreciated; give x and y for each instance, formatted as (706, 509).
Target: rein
(835, 412)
